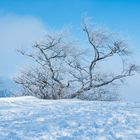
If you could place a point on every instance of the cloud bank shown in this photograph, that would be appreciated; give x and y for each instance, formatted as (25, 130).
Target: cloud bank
(17, 32)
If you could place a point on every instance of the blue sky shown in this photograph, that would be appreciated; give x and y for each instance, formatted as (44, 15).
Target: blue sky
(24, 21)
(121, 13)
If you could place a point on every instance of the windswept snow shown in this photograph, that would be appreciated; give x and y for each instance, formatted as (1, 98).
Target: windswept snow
(29, 118)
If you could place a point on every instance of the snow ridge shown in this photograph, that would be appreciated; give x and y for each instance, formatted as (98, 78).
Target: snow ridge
(29, 118)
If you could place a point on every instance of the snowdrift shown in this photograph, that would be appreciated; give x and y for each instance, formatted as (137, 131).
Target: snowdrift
(29, 118)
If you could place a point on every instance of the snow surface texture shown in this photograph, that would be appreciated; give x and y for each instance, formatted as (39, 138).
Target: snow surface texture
(29, 118)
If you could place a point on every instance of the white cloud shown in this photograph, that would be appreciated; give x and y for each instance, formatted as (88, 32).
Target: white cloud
(16, 32)
(131, 90)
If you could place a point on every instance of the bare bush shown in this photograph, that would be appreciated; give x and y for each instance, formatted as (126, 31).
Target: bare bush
(63, 71)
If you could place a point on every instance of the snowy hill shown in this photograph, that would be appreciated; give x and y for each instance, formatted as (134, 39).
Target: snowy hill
(29, 118)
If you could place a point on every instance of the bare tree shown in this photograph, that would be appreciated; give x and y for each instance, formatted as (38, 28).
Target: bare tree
(63, 71)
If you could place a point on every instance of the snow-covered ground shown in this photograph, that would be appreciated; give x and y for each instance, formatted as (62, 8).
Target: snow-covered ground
(29, 118)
